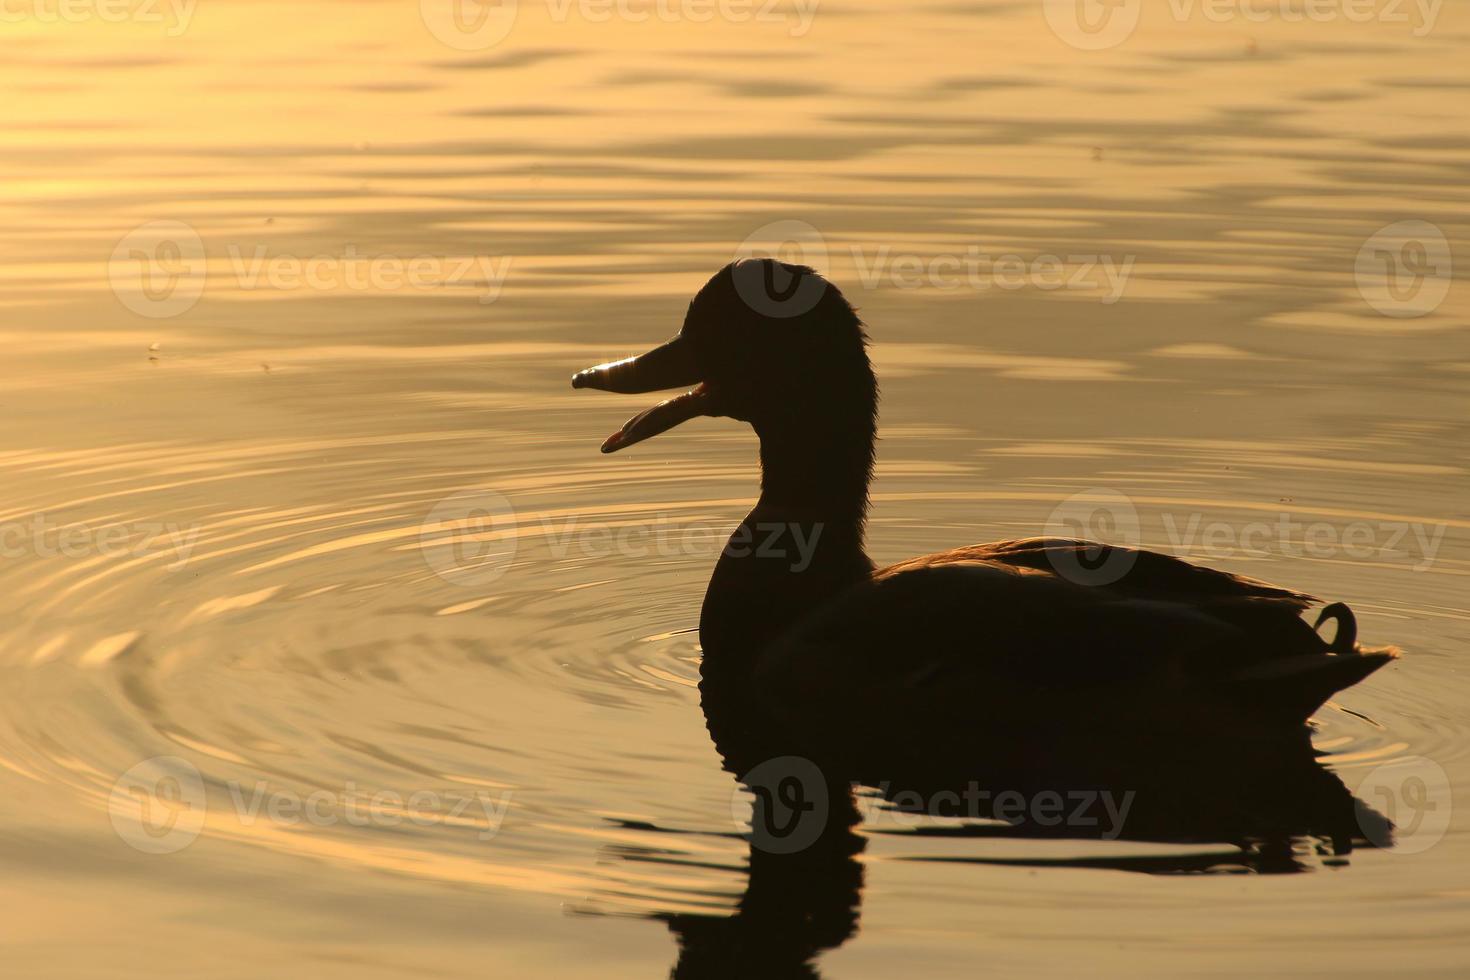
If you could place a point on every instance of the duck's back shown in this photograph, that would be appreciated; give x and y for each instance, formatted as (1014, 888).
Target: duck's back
(1047, 633)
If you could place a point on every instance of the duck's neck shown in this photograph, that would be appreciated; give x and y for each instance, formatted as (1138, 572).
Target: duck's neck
(818, 474)
(803, 542)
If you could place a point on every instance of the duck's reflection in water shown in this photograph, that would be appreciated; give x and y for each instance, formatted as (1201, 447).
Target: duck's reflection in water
(1272, 807)
(795, 905)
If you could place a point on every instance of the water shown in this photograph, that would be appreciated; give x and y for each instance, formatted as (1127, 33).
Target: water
(391, 736)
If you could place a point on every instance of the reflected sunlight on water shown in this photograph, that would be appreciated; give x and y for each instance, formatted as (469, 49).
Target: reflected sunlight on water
(292, 292)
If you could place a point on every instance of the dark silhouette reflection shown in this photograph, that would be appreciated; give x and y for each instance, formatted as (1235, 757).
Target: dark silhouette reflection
(1269, 804)
(1272, 807)
(795, 906)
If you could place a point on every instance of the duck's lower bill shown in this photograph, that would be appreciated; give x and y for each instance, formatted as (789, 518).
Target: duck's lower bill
(660, 418)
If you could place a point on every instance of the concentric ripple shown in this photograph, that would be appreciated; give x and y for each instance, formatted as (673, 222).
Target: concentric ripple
(487, 675)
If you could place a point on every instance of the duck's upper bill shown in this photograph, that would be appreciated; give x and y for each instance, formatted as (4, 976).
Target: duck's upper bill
(669, 365)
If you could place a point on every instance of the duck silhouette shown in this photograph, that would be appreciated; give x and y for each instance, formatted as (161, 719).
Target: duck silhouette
(1040, 665)
(1050, 646)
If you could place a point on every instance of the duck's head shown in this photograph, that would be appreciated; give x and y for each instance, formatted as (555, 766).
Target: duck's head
(772, 344)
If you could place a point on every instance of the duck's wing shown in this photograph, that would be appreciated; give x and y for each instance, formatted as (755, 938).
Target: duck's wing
(1005, 629)
(1117, 570)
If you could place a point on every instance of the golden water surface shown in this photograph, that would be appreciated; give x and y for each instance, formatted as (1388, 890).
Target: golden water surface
(332, 647)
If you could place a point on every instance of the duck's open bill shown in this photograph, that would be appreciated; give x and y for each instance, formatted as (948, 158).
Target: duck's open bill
(670, 365)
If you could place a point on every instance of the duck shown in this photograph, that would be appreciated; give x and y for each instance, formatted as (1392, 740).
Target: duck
(1019, 644)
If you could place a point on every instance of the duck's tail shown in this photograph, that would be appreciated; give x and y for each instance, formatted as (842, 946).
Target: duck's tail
(1294, 687)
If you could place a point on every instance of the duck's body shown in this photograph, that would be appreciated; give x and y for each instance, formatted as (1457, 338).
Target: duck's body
(967, 650)
(1018, 640)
